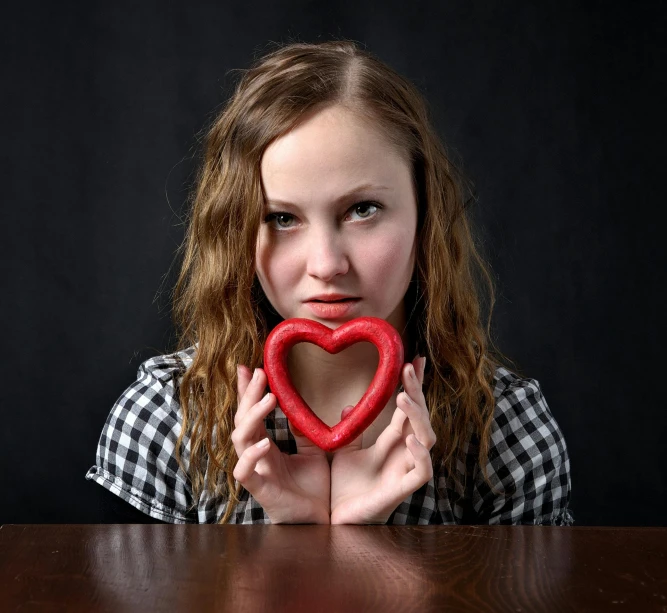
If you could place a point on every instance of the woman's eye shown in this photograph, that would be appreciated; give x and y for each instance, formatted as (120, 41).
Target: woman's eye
(365, 209)
(285, 221)
(282, 220)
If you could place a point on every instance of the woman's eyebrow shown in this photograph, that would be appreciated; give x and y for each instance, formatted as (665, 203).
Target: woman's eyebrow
(366, 187)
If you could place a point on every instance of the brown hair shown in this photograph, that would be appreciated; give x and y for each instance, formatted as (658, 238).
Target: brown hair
(218, 302)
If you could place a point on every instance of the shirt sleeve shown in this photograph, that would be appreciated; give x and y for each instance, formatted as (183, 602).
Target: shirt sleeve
(528, 467)
(136, 457)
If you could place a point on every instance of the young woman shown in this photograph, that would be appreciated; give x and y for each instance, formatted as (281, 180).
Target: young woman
(326, 194)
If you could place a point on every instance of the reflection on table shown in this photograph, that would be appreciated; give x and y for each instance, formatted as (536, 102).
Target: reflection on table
(331, 568)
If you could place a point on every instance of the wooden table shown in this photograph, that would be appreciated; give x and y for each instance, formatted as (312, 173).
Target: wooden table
(353, 569)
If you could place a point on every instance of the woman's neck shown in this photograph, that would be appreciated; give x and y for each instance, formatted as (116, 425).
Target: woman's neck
(330, 382)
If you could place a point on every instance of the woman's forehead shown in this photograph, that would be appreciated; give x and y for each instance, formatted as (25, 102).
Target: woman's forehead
(334, 151)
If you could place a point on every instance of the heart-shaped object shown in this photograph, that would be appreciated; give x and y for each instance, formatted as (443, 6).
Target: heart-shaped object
(372, 329)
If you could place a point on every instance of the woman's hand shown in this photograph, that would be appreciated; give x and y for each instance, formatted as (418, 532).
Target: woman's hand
(291, 488)
(368, 484)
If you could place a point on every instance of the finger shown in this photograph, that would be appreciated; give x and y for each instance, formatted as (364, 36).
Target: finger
(419, 364)
(354, 445)
(423, 468)
(419, 419)
(391, 435)
(346, 411)
(421, 370)
(251, 427)
(252, 394)
(243, 377)
(245, 470)
(304, 445)
(294, 430)
(411, 383)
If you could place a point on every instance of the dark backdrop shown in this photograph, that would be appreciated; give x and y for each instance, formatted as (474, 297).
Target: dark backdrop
(556, 112)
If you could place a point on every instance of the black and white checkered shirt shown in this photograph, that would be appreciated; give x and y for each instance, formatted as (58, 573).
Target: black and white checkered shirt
(528, 465)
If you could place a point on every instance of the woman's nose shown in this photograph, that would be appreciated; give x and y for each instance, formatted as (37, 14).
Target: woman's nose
(327, 256)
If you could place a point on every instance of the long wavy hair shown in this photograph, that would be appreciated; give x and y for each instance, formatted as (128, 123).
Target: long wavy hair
(219, 306)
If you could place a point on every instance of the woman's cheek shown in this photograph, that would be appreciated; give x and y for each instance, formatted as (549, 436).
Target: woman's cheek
(288, 264)
(390, 255)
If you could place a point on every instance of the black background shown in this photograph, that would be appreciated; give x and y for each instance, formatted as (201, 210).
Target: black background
(556, 111)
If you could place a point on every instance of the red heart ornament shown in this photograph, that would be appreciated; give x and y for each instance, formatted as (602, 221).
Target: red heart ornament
(372, 329)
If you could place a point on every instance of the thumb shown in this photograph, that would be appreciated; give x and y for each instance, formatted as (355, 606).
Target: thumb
(346, 411)
(304, 445)
(354, 445)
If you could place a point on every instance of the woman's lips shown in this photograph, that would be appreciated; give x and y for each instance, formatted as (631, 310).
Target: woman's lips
(332, 310)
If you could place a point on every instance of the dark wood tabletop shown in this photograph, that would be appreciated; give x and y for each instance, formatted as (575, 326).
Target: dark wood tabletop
(331, 568)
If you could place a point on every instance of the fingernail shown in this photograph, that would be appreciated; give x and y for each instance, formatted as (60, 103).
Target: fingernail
(412, 372)
(266, 399)
(254, 375)
(263, 443)
(407, 398)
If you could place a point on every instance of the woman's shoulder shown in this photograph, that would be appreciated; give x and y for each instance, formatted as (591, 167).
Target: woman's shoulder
(136, 454)
(528, 460)
(523, 425)
(518, 398)
(156, 388)
(151, 403)
(165, 367)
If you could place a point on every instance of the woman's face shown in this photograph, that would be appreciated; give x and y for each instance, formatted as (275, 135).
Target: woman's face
(338, 234)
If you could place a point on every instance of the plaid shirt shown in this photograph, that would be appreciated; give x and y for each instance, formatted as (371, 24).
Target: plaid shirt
(528, 465)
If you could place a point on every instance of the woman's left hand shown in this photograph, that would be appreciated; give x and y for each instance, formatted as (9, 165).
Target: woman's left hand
(368, 484)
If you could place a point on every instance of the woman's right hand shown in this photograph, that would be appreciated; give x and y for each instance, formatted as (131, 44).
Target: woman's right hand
(292, 489)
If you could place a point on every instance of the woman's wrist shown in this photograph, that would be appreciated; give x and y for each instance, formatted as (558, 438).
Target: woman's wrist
(316, 514)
